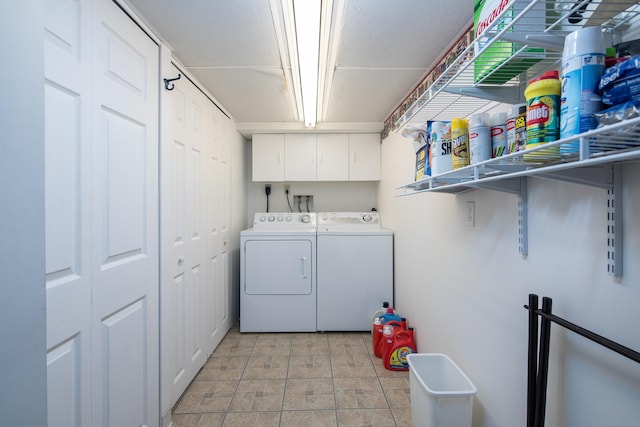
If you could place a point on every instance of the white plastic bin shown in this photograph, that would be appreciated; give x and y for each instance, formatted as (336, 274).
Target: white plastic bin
(441, 394)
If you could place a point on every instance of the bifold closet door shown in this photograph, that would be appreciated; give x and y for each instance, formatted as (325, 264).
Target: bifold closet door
(101, 124)
(194, 304)
(67, 93)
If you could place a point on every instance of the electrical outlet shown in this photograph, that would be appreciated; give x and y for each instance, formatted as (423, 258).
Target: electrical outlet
(287, 189)
(470, 214)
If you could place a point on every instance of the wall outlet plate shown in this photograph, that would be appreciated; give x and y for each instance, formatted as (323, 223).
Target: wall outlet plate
(470, 214)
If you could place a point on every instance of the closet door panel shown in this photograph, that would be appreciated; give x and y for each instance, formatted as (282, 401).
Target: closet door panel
(67, 95)
(124, 218)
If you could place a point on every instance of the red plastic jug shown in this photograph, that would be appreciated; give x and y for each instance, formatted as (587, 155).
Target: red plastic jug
(376, 334)
(387, 331)
(397, 347)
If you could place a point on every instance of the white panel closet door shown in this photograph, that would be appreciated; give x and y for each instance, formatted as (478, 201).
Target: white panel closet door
(215, 307)
(124, 217)
(67, 211)
(185, 274)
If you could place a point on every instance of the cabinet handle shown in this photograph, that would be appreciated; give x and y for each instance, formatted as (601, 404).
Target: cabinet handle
(303, 265)
(353, 153)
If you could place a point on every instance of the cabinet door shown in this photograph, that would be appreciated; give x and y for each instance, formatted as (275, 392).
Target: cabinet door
(364, 157)
(268, 157)
(333, 157)
(300, 157)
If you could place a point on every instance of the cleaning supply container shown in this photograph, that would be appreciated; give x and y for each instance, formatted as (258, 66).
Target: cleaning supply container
(440, 140)
(399, 346)
(441, 394)
(517, 128)
(543, 115)
(379, 312)
(459, 143)
(583, 61)
(498, 134)
(479, 138)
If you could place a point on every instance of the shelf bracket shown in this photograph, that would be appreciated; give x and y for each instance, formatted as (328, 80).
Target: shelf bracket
(504, 94)
(523, 222)
(614, 223)
(553, 41)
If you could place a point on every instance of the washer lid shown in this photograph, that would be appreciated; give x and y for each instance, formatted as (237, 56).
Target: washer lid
(347, 221)
(290, 221)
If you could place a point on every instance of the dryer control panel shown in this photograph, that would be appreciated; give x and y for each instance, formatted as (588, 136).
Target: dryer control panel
(285, 220)
(350, 220)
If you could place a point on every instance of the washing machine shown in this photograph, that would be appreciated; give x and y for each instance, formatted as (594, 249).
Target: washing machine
(277, 273)
(354, 269)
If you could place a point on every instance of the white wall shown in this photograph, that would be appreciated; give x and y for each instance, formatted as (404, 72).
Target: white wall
(22, 249)
(464, 288)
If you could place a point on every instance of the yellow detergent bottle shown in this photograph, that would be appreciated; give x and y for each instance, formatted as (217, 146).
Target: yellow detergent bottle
(543, 115)
(459, 143)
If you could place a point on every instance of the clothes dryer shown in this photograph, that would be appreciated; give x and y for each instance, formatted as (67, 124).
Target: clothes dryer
(277, 273)
(354, 269)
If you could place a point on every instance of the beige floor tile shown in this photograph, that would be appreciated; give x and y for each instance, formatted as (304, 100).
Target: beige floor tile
(252, 419)
(265, 367)
(223, 368)
(347, 343)
(310, 344)
(365, 417)
(383, 372)
(402, 416)
(309, 393)
(272, 345)
(309, 366)
(207, 396)
(397, 390)
(295, 379)
(308, 419)
(241, 346)
(359, 393)
(352, 365)
(198, 420)
(258, 395)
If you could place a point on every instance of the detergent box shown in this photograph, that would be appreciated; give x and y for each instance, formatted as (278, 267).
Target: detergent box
(423, 169)
(505, 58)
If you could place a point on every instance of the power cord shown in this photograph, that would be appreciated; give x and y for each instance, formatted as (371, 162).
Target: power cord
(267, 191)
(308, 204)
(286, 193)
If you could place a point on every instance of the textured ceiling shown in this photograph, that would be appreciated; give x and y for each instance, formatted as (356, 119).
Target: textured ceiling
(384, 47)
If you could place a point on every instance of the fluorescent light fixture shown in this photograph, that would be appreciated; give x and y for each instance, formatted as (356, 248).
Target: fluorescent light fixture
(307, 24)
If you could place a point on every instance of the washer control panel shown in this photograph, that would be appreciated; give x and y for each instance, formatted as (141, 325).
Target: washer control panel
(287, 220)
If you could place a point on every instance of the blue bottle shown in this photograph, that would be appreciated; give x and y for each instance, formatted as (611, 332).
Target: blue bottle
(389, 316)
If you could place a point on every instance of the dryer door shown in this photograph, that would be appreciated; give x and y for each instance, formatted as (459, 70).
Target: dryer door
(278, 267)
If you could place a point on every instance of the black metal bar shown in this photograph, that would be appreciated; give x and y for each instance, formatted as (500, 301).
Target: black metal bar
(605, 342)
(543, 364)
(532, 359)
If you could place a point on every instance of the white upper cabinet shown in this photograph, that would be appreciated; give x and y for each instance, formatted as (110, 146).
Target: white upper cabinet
(364, 157)
(316, 157)
(333, 157)
(300, 157)
(268, 157)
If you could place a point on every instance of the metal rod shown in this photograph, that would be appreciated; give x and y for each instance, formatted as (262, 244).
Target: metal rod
(605, 342)
(533, 359)
(543, 364)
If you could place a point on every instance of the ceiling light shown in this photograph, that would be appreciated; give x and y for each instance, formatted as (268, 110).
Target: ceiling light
(307, 29)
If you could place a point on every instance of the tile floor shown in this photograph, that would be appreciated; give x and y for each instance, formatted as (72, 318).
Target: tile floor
(295, 379)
